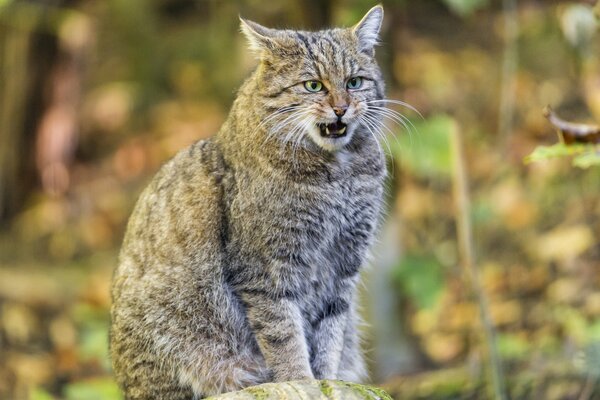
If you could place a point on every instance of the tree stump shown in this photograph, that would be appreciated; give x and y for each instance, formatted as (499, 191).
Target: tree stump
(307, 390)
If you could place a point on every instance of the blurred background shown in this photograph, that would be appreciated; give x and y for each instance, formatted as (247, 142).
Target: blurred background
(486, 278)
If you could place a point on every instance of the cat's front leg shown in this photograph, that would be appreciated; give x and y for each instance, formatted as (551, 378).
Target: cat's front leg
(352, 366)
(277, 325)
(328, 338)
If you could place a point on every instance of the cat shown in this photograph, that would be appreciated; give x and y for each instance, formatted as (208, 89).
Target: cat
(241, 259)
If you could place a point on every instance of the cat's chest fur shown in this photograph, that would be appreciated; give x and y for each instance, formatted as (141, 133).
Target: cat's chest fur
(308, 234)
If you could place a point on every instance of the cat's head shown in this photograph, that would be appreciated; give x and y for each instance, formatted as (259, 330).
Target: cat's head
(318, 84)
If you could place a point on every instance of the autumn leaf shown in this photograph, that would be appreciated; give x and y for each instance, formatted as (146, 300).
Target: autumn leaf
(570, 132)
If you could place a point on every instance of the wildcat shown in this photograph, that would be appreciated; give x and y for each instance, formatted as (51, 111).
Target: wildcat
(240, 261)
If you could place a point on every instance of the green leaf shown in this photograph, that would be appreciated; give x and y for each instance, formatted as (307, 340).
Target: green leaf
(93, 335)
(421, 279)
(425, 149)
(465, 8)
(512, 346)
(587, 159)
(593, 331)
(94, 345)
(40, 394)
(542, 153)
(95, 389)
(585, 155)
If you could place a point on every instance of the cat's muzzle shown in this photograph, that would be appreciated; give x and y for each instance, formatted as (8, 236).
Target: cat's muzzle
(335, 130)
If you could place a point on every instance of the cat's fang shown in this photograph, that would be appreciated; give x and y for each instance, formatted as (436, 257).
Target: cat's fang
(335, 130)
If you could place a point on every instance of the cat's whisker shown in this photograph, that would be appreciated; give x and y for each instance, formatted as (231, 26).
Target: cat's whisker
(372, 129)
(290, 119)
(271, 132)
(394, 117)
(394, 113)
(305, 128)
(376, 125)
(301, 127)
(399, 102)
(373, 104)
(295, 119)
(381, 124)
(273, 116)
(398, 115)
(279, 111)
(300, 123)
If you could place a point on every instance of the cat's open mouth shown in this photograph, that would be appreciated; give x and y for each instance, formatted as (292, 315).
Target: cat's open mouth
(335, 130)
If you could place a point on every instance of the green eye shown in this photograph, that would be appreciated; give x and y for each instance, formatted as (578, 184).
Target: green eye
(354, 83)
(313, 86)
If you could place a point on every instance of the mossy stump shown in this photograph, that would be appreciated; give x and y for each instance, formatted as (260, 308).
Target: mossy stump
(307, 390)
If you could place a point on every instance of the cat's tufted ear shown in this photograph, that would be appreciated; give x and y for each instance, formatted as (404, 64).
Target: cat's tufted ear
(367, 30)
(260, 38)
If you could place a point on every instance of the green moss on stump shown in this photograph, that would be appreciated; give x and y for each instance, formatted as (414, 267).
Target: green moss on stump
(313, 389)
(258, 392)
(326, 389)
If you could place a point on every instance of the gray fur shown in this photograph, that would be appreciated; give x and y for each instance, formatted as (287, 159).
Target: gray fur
(241, 259)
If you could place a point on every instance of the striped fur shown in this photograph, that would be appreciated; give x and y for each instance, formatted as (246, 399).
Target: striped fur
(241, 259)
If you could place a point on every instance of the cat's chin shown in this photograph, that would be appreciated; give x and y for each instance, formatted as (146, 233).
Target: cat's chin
(330, 143)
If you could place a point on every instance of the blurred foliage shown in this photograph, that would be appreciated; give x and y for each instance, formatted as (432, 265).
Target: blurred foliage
(425, 146)
(465, 7)
(156, 75)
(422, 279)
(584, 156)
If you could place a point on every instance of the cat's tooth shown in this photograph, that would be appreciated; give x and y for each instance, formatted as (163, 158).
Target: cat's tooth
(343, 130)
(327, 130)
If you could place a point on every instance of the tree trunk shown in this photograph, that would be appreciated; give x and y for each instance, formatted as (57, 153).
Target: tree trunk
(39, 92)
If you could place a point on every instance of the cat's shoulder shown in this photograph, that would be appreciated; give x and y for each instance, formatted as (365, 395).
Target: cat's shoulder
(184, 194)
(193, 174)
(201, 161)
(204, 156)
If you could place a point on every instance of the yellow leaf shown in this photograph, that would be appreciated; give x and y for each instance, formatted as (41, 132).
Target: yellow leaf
(564, 243)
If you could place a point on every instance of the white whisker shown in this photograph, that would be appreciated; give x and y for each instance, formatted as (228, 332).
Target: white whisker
(395, 114)
(289, 120)
(372, 130)
(294, 135)
(396, 117)
(381, 124)
(273, 116)
(293, 120)
(376, 125)
(399, 102)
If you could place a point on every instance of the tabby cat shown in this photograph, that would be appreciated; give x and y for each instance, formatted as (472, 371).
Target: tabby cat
(241, 259)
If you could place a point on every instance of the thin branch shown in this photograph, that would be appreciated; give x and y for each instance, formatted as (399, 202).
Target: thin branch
(467, 255)
(510, 61)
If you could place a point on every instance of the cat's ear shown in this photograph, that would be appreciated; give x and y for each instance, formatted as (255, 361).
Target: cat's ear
(367, 30)
(260, 38)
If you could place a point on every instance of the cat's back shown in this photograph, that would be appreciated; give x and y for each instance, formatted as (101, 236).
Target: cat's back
(178, 211)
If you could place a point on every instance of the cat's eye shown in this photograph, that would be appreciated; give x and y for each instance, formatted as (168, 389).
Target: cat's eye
(313, 86)
(354, 82)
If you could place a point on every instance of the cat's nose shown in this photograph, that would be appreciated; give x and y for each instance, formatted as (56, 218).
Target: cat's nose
(340, 110)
